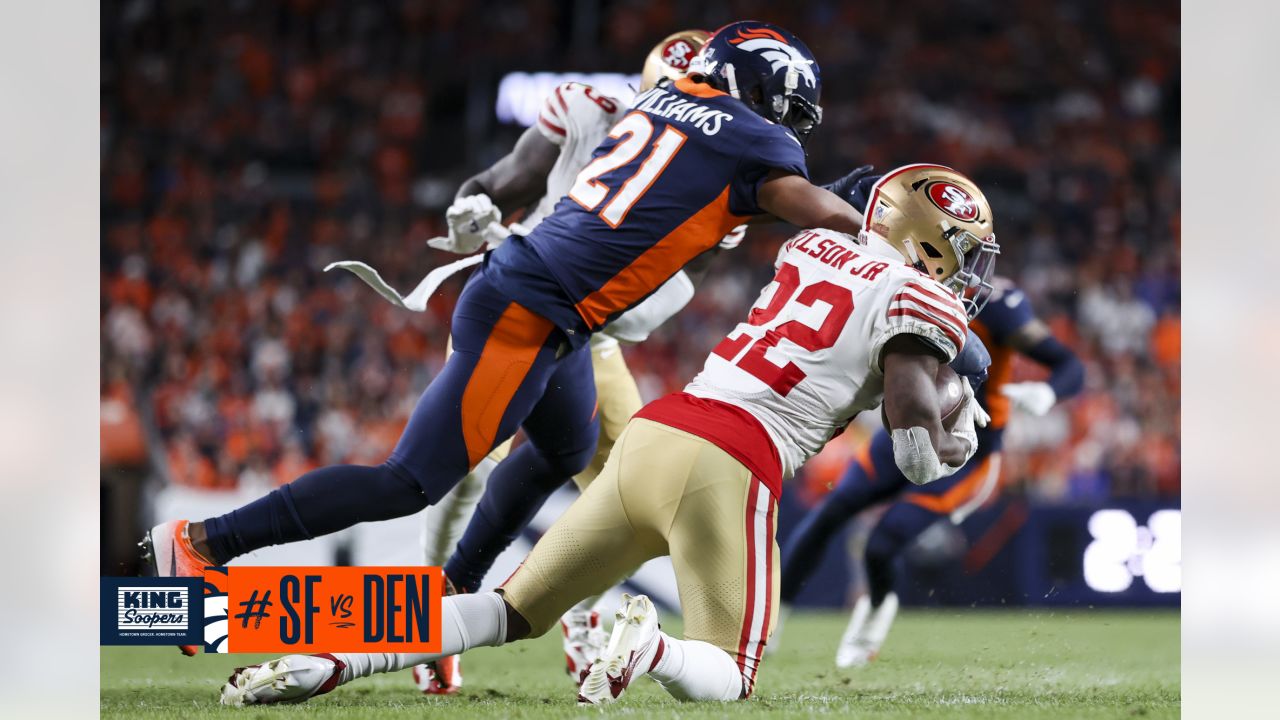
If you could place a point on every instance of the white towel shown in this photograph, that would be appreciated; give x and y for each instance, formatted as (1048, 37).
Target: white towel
(416, 300)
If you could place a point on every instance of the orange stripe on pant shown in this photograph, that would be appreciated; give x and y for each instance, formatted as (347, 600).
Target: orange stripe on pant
(962, 492)
(508, 353)
(690, 239)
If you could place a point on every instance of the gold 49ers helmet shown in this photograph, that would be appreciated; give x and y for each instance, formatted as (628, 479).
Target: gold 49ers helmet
(942, 223)
(670, 58)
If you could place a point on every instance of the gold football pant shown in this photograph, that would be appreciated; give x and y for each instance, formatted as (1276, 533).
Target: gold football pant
(665, 492)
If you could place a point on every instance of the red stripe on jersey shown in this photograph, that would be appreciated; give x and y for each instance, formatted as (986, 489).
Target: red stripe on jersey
(559, 96)
(748, 612)
(946, 299)
(550, 125)
(663, 259)
(957, 340)
(916, 298)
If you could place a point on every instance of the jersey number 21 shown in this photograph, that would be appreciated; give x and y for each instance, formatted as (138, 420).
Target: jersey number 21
(633, 132)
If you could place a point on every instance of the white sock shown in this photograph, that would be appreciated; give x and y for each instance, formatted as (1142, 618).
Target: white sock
(695, 670)
(445, 521)
(467, 621)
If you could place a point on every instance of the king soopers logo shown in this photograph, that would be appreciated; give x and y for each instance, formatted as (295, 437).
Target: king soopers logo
(143, 608)
(149, 611)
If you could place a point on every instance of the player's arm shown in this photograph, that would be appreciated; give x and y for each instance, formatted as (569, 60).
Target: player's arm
(911, 406)
(519, 177)
(794, 199)
(1066, 372)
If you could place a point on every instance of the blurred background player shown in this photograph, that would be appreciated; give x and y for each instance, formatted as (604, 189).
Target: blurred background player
(536, 174)
(640, 211)
(1007, 327)
(847, 323)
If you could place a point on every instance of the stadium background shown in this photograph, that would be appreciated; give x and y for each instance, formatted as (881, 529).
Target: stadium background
(247, 144)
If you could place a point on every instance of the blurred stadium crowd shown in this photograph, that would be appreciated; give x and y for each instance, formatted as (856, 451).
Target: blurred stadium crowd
(247, 144)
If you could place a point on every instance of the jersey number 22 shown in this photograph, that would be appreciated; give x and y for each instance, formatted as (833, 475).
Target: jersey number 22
(782, 378)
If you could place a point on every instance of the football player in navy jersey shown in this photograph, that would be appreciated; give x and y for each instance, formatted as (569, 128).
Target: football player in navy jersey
(690, 162)
(1007, 327)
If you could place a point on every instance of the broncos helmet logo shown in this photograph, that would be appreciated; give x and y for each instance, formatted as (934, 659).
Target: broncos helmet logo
(774, 48)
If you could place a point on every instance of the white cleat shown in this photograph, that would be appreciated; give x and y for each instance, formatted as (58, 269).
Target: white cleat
(584, 642)
(633, 647)
(867, 630)
(291, 679)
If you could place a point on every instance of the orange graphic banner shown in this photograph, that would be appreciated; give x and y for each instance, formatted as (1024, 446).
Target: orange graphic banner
(330, 609)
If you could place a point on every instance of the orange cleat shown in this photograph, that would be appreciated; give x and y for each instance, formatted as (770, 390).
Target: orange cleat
(440, 677)
(168, 549)
(443, 676)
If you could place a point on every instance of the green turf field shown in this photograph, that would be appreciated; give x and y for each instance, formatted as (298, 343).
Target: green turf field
(952, 664)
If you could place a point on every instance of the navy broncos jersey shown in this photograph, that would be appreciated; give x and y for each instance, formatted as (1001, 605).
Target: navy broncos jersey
(680, 170)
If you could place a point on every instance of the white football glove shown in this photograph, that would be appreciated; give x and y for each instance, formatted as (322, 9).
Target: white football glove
(473, 222)
(734, 238)
(971, 417)
(1036, 398)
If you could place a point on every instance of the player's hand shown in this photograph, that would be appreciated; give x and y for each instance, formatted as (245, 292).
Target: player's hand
(855, 188)
(734, 238)
(473, 222)
(1031, 397)
(971, 417)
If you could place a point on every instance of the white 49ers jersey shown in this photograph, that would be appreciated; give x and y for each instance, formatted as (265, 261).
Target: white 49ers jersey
(576, 118)
(808, 357)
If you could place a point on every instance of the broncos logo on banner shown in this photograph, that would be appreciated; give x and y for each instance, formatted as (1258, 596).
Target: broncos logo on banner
(215, 610)
(774, 48)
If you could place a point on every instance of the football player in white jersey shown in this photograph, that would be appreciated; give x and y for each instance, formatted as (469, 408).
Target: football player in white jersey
(846, 323)
(539, 171)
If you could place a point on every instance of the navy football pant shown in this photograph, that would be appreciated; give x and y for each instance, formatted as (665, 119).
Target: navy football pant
(510, 368)
(872, 478)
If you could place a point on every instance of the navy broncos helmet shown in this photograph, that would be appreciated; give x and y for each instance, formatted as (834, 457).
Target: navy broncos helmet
(768, 69)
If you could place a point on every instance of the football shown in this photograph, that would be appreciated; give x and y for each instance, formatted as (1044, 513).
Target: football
(950, 387)
(950, 390)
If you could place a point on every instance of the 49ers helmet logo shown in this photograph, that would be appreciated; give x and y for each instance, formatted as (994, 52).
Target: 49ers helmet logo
(953, 200)
(678, 53)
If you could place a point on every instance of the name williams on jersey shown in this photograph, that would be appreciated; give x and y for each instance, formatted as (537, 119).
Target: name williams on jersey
(674, 106)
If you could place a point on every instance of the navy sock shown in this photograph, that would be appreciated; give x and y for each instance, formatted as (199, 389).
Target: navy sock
(882, 554)
(318, 503)
(516, 490)
(901, 524)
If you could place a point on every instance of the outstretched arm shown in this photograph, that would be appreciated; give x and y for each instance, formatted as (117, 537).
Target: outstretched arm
(797, 201)
(1066, 372)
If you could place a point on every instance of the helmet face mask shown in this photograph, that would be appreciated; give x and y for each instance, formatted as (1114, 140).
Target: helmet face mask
(800, 115)
(972, 281)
